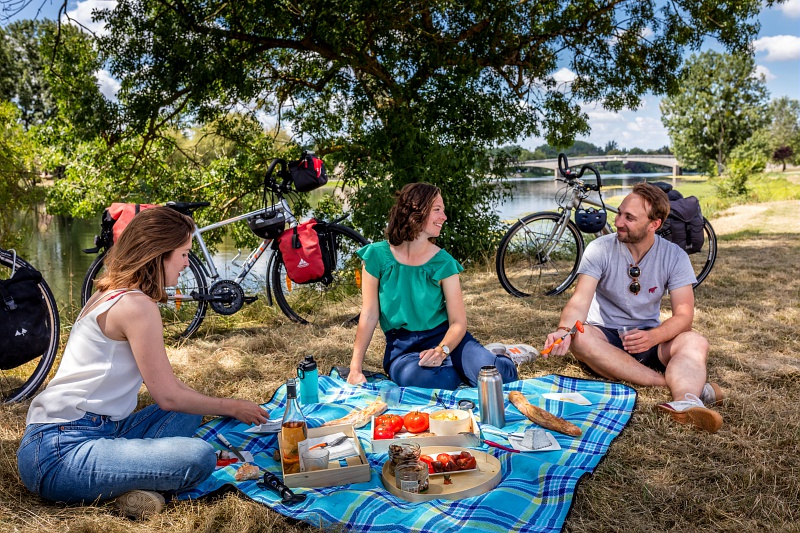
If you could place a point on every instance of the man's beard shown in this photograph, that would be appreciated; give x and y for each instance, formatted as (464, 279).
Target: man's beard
(632, 237)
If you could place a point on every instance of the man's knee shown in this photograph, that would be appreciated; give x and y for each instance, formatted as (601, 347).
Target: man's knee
(691, 341)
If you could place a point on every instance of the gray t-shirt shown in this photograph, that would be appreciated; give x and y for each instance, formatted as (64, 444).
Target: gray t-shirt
(664, 267)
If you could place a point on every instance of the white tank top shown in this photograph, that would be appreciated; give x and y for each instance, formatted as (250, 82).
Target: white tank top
(97, 375)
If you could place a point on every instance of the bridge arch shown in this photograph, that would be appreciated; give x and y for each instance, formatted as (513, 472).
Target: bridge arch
(662, 160)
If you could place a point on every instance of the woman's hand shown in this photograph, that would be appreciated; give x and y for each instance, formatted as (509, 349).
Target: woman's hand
(355, 378)
(431, 357)
(249, 412)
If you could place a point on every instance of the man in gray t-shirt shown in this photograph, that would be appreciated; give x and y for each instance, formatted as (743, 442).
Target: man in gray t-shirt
(621, 280)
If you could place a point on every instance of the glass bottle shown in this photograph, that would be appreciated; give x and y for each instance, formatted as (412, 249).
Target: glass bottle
(293, 429)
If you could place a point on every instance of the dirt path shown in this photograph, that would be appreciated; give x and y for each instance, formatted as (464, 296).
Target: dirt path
(765, 218)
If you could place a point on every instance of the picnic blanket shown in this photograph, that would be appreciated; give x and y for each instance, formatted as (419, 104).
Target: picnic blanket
(535, 492)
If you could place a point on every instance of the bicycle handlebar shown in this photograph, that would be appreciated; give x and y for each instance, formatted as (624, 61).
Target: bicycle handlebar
(565, 172)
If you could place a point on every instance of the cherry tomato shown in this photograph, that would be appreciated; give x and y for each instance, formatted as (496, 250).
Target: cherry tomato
(416, 421)
(384, 432)
(428, 460)
(395, 421)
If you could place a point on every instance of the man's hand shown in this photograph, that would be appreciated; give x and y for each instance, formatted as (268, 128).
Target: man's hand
(562, 347)
(638, 341)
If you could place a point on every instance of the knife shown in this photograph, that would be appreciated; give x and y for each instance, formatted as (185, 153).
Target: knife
(577, 327)
(227, 444)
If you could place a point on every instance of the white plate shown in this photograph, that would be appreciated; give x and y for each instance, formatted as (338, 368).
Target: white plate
(569, 397)
(516, 443)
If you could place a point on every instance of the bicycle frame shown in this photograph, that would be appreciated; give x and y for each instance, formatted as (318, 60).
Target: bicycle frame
(254, 255)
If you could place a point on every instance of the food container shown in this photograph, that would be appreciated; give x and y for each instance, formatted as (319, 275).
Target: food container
(470, 483)
(429, 439)
(449, 422)
(403, 452)
(412, 477)
(354, 470)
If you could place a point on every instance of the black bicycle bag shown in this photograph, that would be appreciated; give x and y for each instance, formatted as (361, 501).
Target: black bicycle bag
(684, 225)
(24, 331)
(308, 173)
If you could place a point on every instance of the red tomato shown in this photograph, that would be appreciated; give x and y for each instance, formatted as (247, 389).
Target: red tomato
(428, 460)
(395, 421)
(416, 421)
(384, 432)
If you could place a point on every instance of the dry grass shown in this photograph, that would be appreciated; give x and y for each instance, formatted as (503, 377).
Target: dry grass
(658, 476)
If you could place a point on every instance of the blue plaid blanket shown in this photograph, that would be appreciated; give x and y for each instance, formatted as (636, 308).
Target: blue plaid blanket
(535, 492)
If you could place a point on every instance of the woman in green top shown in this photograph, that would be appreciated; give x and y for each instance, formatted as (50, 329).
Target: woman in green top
(412, 287)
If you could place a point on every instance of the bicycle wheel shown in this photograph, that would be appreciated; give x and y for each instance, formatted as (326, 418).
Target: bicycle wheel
(704, 262)
(337, 302)
(23, 381)
(538, 257)
(181, 314)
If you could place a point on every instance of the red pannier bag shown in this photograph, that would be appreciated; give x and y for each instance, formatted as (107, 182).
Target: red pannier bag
(302, 253)
(122, 214)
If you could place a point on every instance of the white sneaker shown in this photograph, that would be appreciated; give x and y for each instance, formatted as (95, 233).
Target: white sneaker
(692, 411)
(519, 353)
(140, 504)
(712, 395)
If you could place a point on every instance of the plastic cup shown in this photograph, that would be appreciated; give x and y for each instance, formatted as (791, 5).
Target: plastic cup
(624, 331)
(389, 394)
(316, 459)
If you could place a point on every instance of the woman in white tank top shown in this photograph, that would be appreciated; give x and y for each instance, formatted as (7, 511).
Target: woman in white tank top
(83, 442)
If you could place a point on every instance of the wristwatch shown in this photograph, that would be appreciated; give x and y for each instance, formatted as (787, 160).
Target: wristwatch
(445, 349)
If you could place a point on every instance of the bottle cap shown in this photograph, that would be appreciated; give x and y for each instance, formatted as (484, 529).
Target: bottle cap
(308, 364)
(291, 388)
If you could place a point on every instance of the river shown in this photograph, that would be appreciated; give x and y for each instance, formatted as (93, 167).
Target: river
(55, 243)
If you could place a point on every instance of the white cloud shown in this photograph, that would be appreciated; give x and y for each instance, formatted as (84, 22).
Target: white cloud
(791, 8)
(779, 47)
(564, 75)
(108, 85)
(761, 70)
(82, 14)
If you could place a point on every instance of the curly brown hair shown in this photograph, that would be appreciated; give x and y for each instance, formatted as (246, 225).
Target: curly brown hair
(656, 200)
(410, 212)
(136, 261)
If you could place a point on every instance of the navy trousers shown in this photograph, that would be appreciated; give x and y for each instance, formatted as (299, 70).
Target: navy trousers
(401, 360)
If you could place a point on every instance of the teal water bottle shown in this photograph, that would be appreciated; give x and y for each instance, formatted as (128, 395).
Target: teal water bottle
(309, 380)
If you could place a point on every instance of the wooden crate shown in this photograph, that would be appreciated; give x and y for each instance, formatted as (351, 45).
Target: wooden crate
(382, 445)
(356, 471)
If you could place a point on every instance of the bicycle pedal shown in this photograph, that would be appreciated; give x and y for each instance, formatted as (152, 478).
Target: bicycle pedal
(250, 299)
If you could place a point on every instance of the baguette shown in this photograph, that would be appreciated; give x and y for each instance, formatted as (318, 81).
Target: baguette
(360, 417)
(541, 417)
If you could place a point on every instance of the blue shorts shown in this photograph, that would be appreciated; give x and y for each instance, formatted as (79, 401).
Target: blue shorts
(648, 358)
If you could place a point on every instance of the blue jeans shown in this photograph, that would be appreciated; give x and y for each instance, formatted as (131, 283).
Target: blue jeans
(95, 458)
(401, 360)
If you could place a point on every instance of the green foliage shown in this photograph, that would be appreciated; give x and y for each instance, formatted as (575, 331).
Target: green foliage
(733, 182)
(784, 128)
(17, 178)
(399, 92)
(720, 103)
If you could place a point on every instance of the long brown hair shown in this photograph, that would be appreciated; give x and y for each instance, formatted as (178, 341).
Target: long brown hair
(410, 212)
(136, 261)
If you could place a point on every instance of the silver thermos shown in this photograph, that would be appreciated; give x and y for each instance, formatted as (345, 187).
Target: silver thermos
(490, 396)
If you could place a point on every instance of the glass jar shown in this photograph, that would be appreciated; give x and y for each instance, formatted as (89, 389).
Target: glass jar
(401, 452)
(412, 476)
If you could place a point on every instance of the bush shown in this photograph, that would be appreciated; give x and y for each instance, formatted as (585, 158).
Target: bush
(733, 181)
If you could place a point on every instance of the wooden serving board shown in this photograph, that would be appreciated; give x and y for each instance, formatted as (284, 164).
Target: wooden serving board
(466, 484)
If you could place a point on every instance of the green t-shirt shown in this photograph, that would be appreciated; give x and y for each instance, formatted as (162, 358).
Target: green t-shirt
(410, 297)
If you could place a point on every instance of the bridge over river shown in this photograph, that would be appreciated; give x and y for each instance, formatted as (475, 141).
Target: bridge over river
(662, 160)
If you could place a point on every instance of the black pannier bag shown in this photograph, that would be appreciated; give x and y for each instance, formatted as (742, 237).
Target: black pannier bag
(24, 331)
(684, 225)
(308, 173)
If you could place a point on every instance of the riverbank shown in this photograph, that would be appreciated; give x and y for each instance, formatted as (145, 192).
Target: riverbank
(658, 476)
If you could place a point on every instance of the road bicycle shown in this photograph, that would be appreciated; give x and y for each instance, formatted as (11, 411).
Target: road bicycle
(335, 299)
(541, 252)
(21, 381)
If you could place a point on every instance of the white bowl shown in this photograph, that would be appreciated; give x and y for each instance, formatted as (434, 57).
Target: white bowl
(445, 427)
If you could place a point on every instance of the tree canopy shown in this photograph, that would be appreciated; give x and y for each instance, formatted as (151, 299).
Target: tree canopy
(719, 105)
(405, 91)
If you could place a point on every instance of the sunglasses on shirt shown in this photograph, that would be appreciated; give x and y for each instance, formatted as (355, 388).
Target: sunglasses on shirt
(634, 272)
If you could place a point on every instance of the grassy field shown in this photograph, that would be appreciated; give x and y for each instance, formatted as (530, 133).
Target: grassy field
(658, 476)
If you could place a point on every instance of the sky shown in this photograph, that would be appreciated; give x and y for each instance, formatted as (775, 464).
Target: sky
(777, 55)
